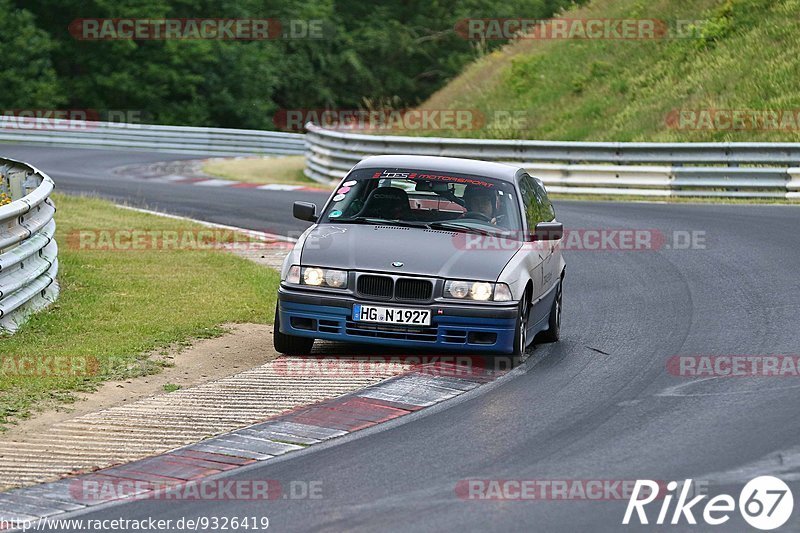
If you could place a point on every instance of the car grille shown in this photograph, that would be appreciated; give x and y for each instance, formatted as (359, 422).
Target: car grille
(375, 286)
(413, 289)
(386, 288)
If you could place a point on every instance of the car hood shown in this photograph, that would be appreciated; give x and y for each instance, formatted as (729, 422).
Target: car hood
(423, 252)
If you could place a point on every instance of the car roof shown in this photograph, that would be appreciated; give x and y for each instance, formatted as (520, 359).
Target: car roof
(455, 165)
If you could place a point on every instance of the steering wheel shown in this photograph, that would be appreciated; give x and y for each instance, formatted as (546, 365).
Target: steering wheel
(476, 214)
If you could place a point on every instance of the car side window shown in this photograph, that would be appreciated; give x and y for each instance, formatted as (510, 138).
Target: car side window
(547, 208)
(537, 206)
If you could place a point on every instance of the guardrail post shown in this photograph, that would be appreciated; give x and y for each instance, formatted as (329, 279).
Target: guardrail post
(16, 184)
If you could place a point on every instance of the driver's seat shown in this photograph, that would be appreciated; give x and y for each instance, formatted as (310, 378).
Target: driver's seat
(386, 202)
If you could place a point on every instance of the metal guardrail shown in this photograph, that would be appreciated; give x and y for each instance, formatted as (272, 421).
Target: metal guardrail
(728, 170)
(149, 137)
(28, 250)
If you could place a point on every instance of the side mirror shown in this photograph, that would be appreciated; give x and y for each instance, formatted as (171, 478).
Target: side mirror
(548, 231)
(305, 211)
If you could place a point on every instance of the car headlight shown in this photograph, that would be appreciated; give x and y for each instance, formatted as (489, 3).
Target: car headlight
(317, 277)
(336, 278)
(477, 290)
(456, 289)
(313, 276)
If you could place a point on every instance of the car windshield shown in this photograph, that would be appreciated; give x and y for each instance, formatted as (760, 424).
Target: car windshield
(426, 199)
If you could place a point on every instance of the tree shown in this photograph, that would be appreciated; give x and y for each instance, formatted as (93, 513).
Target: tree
(29, 78)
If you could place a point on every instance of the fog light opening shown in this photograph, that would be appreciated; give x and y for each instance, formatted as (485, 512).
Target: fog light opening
(481, 337)
(303, 323)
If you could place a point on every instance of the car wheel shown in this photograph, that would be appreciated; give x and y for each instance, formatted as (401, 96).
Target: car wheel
(289, 344)
(553, 332)
(521, 332)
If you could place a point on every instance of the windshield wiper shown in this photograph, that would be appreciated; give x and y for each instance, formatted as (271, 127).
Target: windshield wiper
(407, 224)
(356, 220)
(448, 226)
(381, 221)
(465, 229)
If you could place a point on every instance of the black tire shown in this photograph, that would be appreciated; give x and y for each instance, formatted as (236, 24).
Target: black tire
(553, 332)
(289, 344)
(521, 333)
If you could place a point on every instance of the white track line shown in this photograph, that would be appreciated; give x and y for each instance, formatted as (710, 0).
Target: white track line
(261, 234)
(215, 183)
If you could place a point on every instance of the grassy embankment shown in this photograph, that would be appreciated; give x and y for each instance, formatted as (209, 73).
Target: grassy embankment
(743, 56)
(287, 170)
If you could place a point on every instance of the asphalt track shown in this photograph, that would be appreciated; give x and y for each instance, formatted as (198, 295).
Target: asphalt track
(599, 405)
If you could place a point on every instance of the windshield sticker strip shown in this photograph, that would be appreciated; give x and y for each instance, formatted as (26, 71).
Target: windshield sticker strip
(389, 174)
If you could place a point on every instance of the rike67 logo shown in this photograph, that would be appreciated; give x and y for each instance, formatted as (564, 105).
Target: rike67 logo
(765, 503)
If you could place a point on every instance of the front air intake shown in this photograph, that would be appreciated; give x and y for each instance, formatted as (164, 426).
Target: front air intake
(380, 287)
(413, 289)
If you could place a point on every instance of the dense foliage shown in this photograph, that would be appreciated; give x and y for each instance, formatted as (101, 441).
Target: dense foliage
(372, 54)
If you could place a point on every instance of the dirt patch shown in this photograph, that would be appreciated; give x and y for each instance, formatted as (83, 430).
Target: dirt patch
(246, 346)
(269, 254)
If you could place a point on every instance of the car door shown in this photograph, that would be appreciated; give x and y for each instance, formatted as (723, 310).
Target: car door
(535, 257)
(552, 250)
(539, 209)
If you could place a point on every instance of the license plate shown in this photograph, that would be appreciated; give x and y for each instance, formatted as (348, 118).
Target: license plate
(391, 315)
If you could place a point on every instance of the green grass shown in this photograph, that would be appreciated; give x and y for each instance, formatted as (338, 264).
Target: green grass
(745, 57)
(116, 306)
(286, 170)
(171, 387)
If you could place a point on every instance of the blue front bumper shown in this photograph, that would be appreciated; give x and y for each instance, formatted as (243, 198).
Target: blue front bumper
(330, 318)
